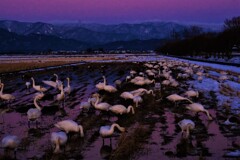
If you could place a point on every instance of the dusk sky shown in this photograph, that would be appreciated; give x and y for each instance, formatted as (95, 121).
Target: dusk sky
(118, 11)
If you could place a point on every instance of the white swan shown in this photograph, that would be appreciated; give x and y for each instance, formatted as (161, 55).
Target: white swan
(191, 93)
(34, 113)
(121, 109)
(174, 98)
(58, 139)
(60, 97)
(107, 131)
(127, 95)
(38, 87)
(68, 88)
(196, 107)
(186, 125)
(11, 142)
(103, 106)
(70, 126)
(100, 85)
(59, 83)
(6, 97)
(141, 91)
(108, 88)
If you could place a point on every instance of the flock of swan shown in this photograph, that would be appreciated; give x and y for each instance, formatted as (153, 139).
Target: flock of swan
(153, 73)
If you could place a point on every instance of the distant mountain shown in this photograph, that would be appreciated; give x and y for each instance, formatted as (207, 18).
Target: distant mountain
(77, 36)
(12, 42)
(133, 45)
(98, 33)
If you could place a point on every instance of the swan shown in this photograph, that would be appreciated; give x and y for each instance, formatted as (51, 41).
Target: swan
(70, 126)
(11, 142)
(137, 99)
(58, 139)
(175, 97)
(34, 113)
(141, 91)
(127, 95)
(68, 88)
(53, 84)
(86, 105)
(108, 88)
(6, 97)
(60, 97)
(107, 131)
(58, 82)
(196, 107)
(186, 125)
(38, 87)
(121, 109)
(191, 93)
(101, 106)
(100, 85)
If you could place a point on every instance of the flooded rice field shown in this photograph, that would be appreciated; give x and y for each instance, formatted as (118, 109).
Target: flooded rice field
(152, 132)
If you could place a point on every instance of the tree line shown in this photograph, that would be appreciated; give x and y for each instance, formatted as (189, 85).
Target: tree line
(197, 43)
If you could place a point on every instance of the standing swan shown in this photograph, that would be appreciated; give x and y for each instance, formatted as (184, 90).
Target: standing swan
(70, 126)
(11, 142)
(121, 109)
(107, 131)
(196, 107)
(58, 139)
(60, 97)
(38, 87)
(34, 113)
(186, 125)
(108, 88)
(68, 88)
(6, 97)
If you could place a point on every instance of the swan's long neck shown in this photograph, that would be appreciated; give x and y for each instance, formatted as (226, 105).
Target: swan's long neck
(56, 77)
(81, 130)
(36, 105)
(57, 147)
(130, 108)
(188, 100)
(96, 102)
(68, 82)
(118, 127)
(187, 132)
(1, 92)
(150, 91)
(33, 82)
(104, 81)
(206, 111)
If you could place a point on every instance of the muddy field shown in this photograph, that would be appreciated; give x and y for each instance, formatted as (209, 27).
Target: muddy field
(152, 132)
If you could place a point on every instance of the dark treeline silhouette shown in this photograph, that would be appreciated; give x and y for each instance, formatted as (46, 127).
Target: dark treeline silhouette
(209, 44)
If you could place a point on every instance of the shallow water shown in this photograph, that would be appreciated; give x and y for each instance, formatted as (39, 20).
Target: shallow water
(209, 139)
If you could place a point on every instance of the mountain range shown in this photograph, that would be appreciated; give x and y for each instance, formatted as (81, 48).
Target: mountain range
(27, 36)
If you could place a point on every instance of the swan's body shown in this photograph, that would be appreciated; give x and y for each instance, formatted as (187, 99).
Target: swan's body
(38, 87)
(70, 126)
(175, 98)
(86, 105)
(58, 139)
(103, 106)
(110, 88)
(127, 95)
(121, 109)
(6, 97)
(191, 94)
(186, 125)
(68, 88)
(50, 83)
(141, 91)
(11, 142)
(196, 107)
(107, 131)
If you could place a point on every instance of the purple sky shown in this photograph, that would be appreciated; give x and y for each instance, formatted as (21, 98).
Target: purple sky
(117, 11)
